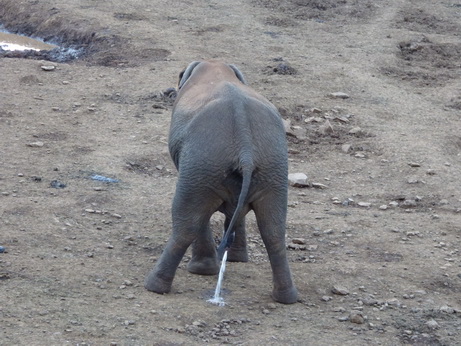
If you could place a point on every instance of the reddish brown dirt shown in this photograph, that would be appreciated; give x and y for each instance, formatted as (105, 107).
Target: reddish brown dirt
(386, 227)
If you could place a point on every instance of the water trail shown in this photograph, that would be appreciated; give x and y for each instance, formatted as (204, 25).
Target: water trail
(217, 299)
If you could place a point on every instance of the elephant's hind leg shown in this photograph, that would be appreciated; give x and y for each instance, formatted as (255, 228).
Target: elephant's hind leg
(270, 214)
(204, 258)
(191, 212)
(160, 279)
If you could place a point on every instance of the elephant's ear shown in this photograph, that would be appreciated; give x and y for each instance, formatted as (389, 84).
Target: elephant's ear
(184, 75)
(238, 74)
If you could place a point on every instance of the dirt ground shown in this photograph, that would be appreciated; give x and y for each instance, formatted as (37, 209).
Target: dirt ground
(376, 257)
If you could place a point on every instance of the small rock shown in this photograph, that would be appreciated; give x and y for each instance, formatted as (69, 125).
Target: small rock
(356, 317)
(2, 249)
(301, 241)
(345, 148)
(287, 126)
(347, 202)
(48, 67)
(293, 246)
(409, 203)
(299, 132)
(340, 290)
(414, 164)
(394, 302)
(394, 204)
(383, 207)
(355, 131)
(199, 324)
(432, 324)
(327, 298)
(298, 179)
(342, 119)
(413, 180)
(430, 172)
(339, 95)
(447, 309)
(326, 128)
(35, 144)
(364, 204)
(319, 186)
(56, 184)
(271, 306)
(313, 120)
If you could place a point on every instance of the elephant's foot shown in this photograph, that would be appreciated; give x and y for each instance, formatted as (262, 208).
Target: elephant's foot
(237, 255)
(287, 296)
(157, 284)
(204, 266)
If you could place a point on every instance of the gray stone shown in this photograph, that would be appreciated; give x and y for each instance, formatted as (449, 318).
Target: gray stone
(319, 186)
(326, 128)
(432, 324)
(340, 290)
(339, 95)
(356, 317)
(345, 148)
(297, 179)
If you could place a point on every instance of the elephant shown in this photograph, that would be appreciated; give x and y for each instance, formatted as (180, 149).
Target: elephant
(229, 146)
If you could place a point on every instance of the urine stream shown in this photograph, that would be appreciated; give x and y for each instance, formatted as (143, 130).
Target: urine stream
(13, 42)
(217, 299)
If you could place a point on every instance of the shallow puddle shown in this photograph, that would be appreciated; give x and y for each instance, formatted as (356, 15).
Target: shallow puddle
(12, 42)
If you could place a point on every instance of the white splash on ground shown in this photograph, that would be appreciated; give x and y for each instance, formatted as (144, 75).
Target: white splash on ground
(217, 299)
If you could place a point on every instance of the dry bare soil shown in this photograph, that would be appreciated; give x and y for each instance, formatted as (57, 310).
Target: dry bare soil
(377, 259)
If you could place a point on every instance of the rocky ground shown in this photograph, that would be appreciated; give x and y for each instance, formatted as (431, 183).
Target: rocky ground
(371, 95)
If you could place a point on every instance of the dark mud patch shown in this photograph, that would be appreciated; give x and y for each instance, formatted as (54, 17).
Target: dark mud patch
(76, 38)
(322, 10)
(421, 21)
(435, 55)
(426, 63)
(281, 67)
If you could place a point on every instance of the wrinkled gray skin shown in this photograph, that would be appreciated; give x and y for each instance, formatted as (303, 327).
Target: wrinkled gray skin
(228, 144)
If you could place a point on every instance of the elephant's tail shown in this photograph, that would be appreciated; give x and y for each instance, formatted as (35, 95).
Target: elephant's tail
(246, 167)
